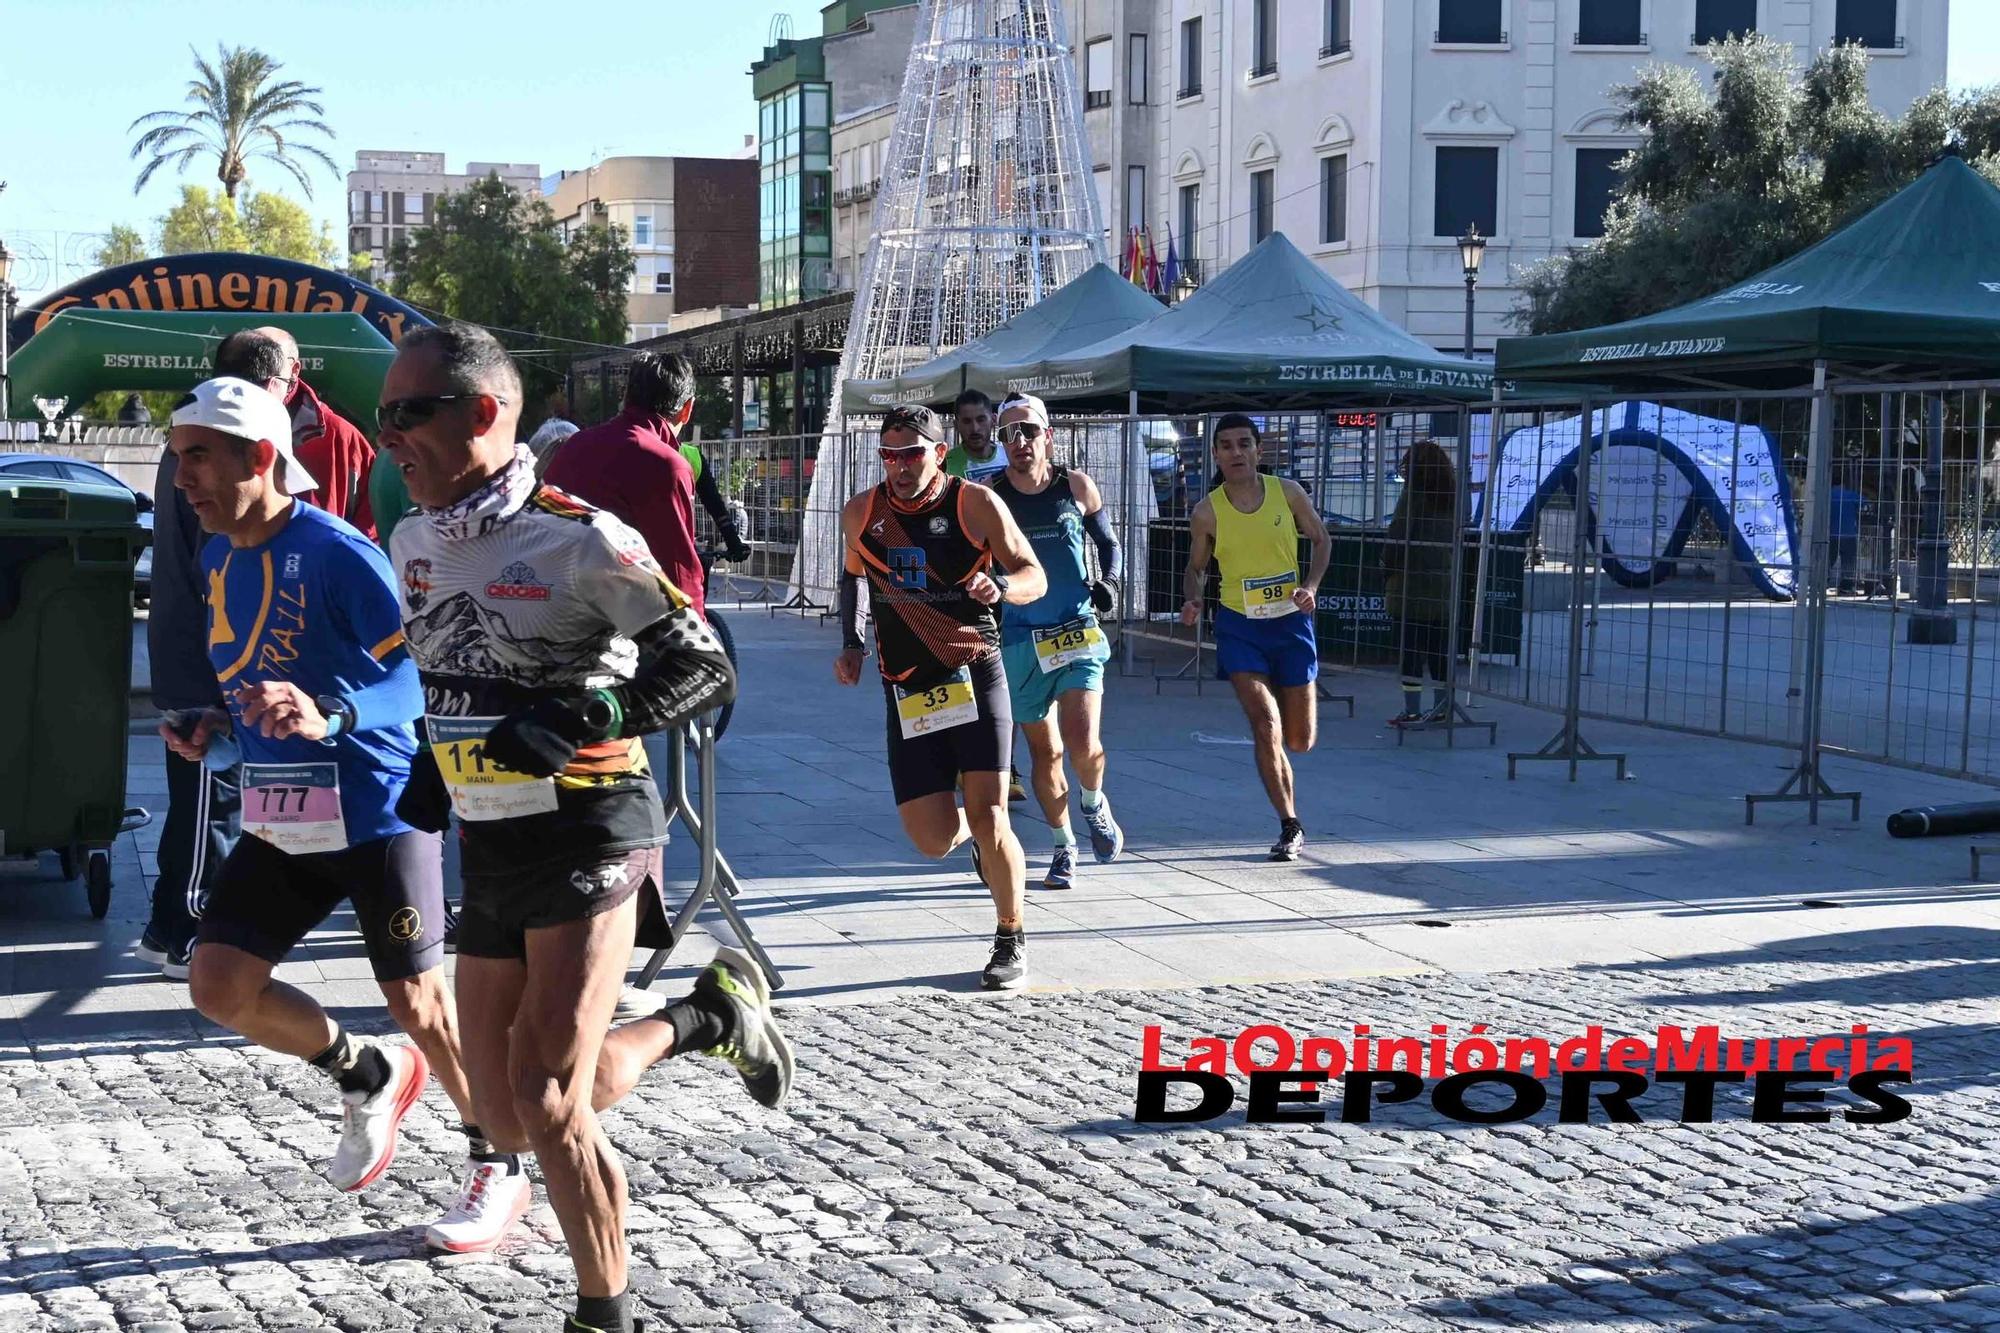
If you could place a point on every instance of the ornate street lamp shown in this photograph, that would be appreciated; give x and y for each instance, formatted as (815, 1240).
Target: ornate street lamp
(1471, 251)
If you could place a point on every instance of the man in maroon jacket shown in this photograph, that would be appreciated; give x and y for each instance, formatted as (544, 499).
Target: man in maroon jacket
(631, 465)
(328, 445)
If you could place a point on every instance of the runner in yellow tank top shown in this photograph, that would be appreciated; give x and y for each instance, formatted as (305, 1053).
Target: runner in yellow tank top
(1264, 642)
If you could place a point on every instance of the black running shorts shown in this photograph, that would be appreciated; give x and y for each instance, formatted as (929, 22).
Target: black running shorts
(498, 910)
(266, 900)
(932, 764)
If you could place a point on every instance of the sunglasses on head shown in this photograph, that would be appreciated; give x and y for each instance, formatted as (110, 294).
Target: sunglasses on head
(404, 413)
(1021, 430)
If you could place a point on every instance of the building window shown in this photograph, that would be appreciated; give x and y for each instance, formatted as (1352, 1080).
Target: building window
(642, 229)
(1190, 57)
(1135, 197)
(1869, 22)
(1097, 74)
(1468, 191)
(1339, 37)
(663, 282)
(1135, 69)
(1597, 180)
(413, 208)
(1262, 200)
(1470, 22)
(1609, 23)
(1263, 38)
(378, 206)
(1333, 199)
(1718, 20)
(1101, 177)
(1190, 223)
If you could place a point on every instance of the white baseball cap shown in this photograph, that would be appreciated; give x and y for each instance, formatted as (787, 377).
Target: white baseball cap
(1038, 410)
(245, 410)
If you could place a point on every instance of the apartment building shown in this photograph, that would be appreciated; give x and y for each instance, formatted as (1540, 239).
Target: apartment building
(391, 193)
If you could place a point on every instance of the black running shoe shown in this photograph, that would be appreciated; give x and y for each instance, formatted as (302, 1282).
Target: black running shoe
(1291, 841)
(1007, 968)
(150, 948)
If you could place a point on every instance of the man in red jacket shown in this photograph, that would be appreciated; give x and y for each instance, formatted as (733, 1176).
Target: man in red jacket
(631, 466)
(328, 445)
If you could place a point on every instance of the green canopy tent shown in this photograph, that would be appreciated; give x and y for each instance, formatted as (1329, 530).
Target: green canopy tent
(1913, 285)
(1273, 331)
(81, 352)
(1096, 305)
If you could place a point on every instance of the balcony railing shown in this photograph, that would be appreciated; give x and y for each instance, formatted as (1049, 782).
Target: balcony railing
(1268, 67)
(1187, 91)
(1443, 38)
(1614, 39)
(1339, 47)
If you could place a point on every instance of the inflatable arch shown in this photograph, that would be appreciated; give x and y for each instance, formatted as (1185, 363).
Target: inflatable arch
(154, 324)
(1654, 471)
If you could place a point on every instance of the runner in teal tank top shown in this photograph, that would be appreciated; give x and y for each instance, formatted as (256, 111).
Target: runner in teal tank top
(1053, 648)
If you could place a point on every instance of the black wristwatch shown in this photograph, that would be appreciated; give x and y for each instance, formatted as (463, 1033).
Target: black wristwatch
(339, 715)
(999, 577)
(602, 714)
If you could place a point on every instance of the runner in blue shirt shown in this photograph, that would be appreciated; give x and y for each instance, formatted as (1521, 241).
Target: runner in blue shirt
(306, 638)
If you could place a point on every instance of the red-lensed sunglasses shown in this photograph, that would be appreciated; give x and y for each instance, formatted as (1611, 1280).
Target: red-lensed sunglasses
(909, 453)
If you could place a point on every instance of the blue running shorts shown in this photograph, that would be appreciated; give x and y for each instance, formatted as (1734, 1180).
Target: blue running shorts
(1283, 648)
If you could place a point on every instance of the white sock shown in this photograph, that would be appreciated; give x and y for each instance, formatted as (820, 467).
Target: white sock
(1089, 797)
(1062, 836)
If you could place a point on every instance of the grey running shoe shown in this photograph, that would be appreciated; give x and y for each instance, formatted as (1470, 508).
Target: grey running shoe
(1291, 841)
(1007, 968)
(1106, 838)
(1062, 869)
(755, 1048)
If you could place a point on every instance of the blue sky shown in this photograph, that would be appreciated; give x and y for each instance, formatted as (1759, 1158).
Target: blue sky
(498, 80)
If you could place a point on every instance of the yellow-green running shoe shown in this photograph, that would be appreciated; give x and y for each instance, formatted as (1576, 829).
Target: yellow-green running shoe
(754, 1047)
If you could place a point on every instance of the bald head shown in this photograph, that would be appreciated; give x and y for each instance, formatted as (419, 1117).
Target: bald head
(285, 340)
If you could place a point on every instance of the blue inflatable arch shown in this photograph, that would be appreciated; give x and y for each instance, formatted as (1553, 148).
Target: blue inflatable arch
(1655, 470)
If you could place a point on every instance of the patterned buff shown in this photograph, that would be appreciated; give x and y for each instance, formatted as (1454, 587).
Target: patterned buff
(492, 504)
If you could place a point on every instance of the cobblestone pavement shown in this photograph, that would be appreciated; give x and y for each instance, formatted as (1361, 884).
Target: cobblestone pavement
(957, 1164)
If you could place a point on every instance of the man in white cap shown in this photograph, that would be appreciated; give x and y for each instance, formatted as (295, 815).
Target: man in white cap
(1053, 648)
(305, 636)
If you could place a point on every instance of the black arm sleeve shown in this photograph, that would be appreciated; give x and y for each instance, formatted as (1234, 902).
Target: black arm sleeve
(710, 496)
(682, 671)
(1110, 555)
(850, 612)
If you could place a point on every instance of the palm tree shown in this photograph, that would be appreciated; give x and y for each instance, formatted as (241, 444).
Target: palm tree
(238, 114)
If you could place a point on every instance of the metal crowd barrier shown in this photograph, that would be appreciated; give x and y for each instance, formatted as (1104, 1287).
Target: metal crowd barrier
(715, 882)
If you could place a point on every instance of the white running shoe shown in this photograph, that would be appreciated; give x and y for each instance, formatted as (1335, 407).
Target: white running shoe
(368, 1123)
(490, 1202)
(636, 1003)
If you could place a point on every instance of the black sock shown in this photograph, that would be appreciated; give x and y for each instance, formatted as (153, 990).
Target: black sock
(612, 1314)
(1287, 825)
(480, 1149)
(355, 1066)
(700, 1020)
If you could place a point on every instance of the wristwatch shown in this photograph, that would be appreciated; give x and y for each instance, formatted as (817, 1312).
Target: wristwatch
(339, 714)
(602, 714)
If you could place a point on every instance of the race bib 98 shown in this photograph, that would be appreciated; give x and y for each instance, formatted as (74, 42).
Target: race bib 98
(1269, 598)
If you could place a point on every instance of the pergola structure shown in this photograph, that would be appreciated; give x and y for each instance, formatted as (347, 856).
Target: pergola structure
(788, 340)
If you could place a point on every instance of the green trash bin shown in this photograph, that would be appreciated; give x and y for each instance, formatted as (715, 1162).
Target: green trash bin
(66, 557)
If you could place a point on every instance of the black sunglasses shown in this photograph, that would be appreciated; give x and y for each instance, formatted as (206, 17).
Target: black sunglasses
(404, 413)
